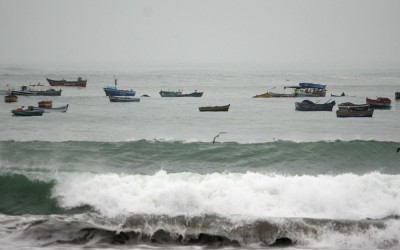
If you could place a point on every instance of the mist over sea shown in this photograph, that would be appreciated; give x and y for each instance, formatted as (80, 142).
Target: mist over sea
(147, 176)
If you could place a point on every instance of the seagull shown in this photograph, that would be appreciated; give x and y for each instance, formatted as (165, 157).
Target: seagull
(220, 133)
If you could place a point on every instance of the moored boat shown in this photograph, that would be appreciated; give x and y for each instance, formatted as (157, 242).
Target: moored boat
(354, 107)
(397, 96)
(27, 112)
(10, 98)
(28, 91)
(61, 109)
(379, 103)
(272, 94)
(350, 112)
(113, 91)
(124, 99)
(79, 83)
(308, 105)
(309, 90)
(180, 94)
(214, 108)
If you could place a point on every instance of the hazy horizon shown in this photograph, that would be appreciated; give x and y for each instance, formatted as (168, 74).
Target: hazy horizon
(280, 34)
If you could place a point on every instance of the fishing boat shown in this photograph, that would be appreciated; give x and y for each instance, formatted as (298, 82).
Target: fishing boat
(214, 108)
(29, 91)
(354, 111)
(308, 105)
(354, 107)
(79, 83)
(397, 96)
(113, 91)
(272, 94)
(309, 90)
(180, 94)
(123, 99)
(10, 98)
(27, 112)
(61, 109)
(379, 103)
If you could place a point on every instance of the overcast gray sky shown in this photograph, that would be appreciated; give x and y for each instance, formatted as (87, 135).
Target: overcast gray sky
(269, 32)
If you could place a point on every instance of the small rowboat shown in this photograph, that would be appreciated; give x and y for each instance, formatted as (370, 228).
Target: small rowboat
(272, 94)
(308, 105)
(62, 109)
(10, 98)
(379, 103)
(343, 112)
(27, 112)
(215, 108)
(123, 99)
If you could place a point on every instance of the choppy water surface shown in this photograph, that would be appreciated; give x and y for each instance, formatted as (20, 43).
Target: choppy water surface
(147, 175)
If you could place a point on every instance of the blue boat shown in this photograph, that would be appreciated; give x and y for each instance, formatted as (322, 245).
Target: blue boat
(113, 91)
(312, 85)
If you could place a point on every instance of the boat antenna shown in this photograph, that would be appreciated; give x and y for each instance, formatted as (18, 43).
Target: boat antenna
(215, 137)
(115, 82)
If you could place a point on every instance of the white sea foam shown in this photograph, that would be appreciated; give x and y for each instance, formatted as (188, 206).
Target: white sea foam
(346, 196)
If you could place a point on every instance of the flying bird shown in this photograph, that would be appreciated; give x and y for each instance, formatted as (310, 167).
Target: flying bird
(220, 133)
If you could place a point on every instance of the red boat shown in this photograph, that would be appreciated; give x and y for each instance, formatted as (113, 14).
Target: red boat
(78, 83)
(379, 103)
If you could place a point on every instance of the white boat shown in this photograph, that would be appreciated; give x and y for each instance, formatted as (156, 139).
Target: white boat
(123, 99)
(62, 109)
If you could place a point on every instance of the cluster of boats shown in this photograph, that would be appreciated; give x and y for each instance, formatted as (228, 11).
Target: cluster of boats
(43, 107)
(346, 109)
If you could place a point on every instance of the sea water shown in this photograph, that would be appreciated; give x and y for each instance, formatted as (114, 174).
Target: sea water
(146, 175)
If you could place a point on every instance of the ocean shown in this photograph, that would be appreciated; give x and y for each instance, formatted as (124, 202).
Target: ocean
(147, 175)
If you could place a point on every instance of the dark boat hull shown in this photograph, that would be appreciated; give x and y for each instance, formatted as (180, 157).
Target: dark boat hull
(27, 112)
(380, 103)
(354, 113)
(179, 94)
(310, 106)
(111, 91)
(124, 99)
(215, 108)
(397, 95)
(79, 83)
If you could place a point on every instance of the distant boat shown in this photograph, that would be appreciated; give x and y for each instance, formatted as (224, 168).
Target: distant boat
(309, 90)
(379, 103)
(397, 96)
(308, 105)
(272, 94)
(61, 109)
(352, 106)
(27, 112)
(113, 91)
(215, 108)
(79, 83)
(180, 94)
(10, 98)
(349, 109)
(124, 99)
(28, 91)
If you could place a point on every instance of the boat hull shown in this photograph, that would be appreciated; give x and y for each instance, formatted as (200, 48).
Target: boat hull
(343, 113)
(310, 106)
(124, 99)
(79, 83)
(215, 108)
(27, 112)
(379, 103)
(10, 98)
(271, 95)
(179, 94)
(110, 91)
(61, 109)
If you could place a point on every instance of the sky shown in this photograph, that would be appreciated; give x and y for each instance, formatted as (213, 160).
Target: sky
(280, 33)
